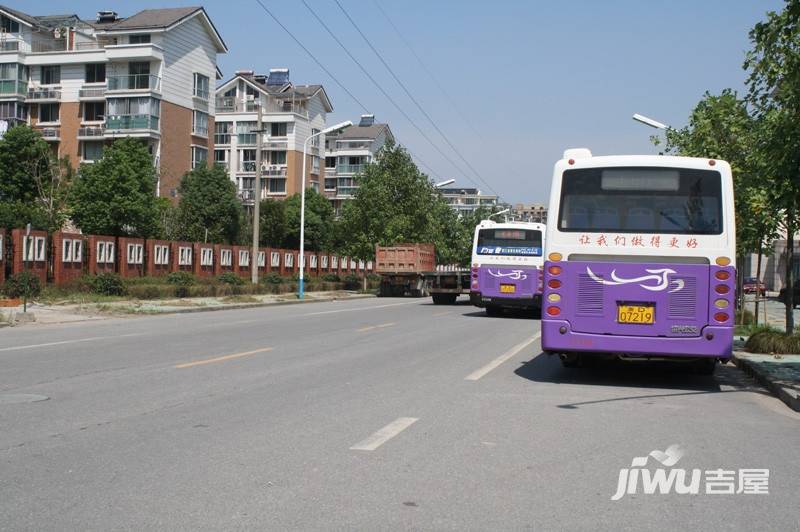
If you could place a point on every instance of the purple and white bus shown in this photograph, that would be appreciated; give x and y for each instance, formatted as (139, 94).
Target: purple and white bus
(639, 259)
(507, 260)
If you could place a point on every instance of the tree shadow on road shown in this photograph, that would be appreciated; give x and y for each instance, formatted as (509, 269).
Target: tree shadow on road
(653, 375)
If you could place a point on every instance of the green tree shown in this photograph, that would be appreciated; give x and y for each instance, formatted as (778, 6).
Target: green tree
(394, 203)
(116, 195)
(208, 202)
(319, 221)
(774, 91)
(273, 228)
(23, 154)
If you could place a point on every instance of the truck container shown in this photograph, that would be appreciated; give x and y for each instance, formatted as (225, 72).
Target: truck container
(410, 269)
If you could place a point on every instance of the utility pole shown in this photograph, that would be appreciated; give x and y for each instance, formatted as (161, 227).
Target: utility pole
(257, 198)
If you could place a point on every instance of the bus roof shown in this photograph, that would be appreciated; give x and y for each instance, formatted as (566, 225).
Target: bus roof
(486, 224)
(583, 158)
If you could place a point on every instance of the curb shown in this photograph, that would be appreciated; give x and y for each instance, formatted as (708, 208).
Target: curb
(784, 393)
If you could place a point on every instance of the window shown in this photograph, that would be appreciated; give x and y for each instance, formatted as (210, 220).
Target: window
(244, 258)
(334, 262)
(206, 256)
(50, 74)
(7, 25)
(226, 257)
(330, 183)
(248, 159)
(200, 86)
(92, 151)
(200, 123)
(48, 112)
(95, 73)
(352, 264)
(139, 75)
(222, 132)
(184, 256)
(262, 259)
(313, 261)
(221, 157)
(277, 185)
(369, 265)
(135, 254)
(641, 200)
(66, 250)
(278, 129)
(105, 252)
(324, 261)
(134, 106)
(315, 140)
(160, 255)
(244, 132)
(140, 39)
(361, 265)
(94, 111)
(2, 249)
(199, 156)
(277, 157)
(315, 165)
(330, 162)
(274, 259)
(288, 260)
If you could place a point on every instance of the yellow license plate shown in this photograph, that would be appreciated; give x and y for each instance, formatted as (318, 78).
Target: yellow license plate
(507, 288)
(640, 314)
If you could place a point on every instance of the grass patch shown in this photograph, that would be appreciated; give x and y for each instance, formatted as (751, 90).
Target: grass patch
(240, 299)
(769, 340)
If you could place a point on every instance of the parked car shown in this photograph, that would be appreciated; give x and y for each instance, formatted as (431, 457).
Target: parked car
(796, 302)
(752, 285)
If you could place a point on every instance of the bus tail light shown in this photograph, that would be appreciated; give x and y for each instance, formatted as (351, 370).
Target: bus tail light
(555, 257)
(722, 275)
(721, 303)
(723, 261)
(554, 298)
(554, 283)
(722, 289)
(721, 317)
(554, 270)
(553, 311)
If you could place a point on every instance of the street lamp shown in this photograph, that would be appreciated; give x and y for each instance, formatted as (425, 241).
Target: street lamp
(498, 212)
(444, 183)
(649, 121)
(337, 127)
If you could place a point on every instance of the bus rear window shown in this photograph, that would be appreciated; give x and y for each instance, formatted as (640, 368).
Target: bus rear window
(641, 200)
(524, 242)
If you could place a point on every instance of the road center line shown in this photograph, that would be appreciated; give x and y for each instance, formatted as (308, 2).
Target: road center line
(371, 327)
(385, 434)
(360, 308)
(63, 342)
(222, 358)
(477, 374)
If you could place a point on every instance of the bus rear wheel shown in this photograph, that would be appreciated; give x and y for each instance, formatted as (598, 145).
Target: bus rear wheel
(705, 366)
(493, 311)
(570, 360)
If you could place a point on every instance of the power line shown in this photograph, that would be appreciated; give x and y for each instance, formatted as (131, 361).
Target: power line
(307, 51)
(411, 97)
(386, 94)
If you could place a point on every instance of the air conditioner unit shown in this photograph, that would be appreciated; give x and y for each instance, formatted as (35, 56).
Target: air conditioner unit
(264, 167)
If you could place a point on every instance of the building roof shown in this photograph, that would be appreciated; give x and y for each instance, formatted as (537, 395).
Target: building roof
(19, 15)
(362, 132)
(161, 19)
(287, 91)
(459, 190)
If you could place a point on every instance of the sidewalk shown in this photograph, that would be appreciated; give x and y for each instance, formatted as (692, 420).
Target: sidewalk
(51, 314)
(779, 373)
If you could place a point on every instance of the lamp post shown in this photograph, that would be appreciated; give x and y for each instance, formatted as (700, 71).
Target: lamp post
(498, 212)
(444, 183)
(257, 197)
(649, 121)
(337, 127)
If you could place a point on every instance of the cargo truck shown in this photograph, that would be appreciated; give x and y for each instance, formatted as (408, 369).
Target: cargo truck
(411, 269)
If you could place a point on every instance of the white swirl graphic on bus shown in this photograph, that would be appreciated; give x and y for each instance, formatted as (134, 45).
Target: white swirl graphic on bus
(660, 276)
(514, 275)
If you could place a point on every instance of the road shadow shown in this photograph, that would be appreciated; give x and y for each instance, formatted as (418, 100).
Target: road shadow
(514, 314)
(676, 377)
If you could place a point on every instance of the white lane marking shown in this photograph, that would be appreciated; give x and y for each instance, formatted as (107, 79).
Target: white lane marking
(385, 434)
(62, 342)
(359, 308)
(478, 373)
(372, 327)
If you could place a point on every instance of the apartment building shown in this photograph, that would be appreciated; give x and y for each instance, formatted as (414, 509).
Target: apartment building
(529, 213)
(347, 152)
(467, 200)
(290, 114)
(84, 83)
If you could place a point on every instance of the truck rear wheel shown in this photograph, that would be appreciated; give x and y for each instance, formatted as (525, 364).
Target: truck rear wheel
(444, 299)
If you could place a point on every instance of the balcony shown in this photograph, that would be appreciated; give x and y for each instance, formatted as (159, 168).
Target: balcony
(273, 171)
(229, 104)
(247, 166)
(50, 134)
(9, 46)
(201, 131)
(92, 93)
(222, 138)
(248, 139)
(12, 87)
(345, 192)
(131, 123)
(201, 94)
(48, 47)
(91, 132)
(134, 82)
(353, 145)
(350, 168)
(40, 95)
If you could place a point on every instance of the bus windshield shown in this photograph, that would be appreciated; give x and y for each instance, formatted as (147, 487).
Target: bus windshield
(525, 242)
(641, 200)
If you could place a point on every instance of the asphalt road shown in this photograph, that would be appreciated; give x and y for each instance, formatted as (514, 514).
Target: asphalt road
(365, 415)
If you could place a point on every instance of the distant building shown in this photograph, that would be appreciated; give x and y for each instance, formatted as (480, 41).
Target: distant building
(529, 213)
(467, 200)
(290, 114)
(347, 153)
(83, 84)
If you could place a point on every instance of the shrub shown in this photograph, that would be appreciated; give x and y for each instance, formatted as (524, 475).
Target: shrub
(744, 317)
(769, 340)
(352, 281)
(273, 278)
(181, 279)
(22, 284)
(151, 291)
(231, 279)
(330, 278)
(108, 284)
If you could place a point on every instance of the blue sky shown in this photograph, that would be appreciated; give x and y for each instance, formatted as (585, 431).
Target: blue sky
(531, 77)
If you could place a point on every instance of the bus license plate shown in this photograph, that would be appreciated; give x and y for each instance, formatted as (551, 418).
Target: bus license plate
(507, 288)
(640, 314)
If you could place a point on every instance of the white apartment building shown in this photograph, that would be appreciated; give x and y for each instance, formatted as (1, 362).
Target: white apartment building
(529, 212)
(290, 114)
(85, 83)
(347, 153)
(467, 200)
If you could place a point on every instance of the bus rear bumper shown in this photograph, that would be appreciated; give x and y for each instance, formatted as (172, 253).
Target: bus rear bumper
(527, 301)
(719, 345)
